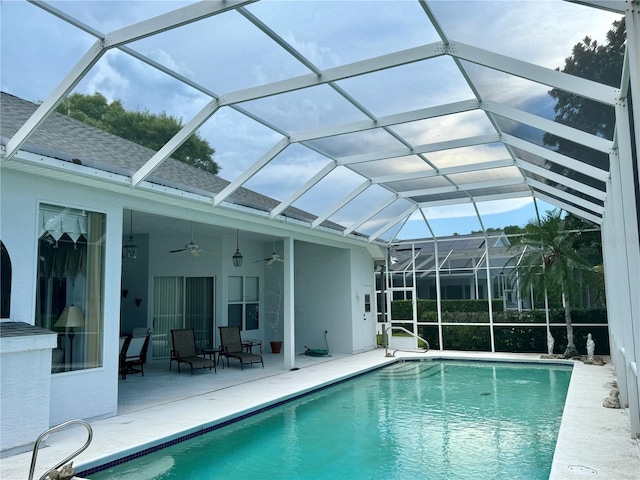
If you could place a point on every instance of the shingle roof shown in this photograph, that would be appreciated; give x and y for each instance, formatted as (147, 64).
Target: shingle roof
(65, 138)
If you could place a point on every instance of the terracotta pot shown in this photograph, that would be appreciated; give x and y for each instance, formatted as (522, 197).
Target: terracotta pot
(276, 347)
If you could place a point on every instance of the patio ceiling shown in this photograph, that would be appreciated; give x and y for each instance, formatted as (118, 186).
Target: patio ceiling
(381, 130)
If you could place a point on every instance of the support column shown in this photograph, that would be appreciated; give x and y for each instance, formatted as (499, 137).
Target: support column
(289, 346)
(625, 248)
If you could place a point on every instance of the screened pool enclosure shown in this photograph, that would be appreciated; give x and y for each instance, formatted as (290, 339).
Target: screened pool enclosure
(374, 121)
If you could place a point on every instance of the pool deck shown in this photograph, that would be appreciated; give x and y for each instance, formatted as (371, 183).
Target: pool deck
(593, 441)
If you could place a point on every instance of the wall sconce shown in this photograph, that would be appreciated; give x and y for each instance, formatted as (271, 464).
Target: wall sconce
(125, 293)
(237, 257)
(138, 302)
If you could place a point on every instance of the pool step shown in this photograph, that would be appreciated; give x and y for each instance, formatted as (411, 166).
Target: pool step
(408, 369)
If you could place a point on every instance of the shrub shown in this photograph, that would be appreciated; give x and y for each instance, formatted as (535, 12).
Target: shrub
(525, 338)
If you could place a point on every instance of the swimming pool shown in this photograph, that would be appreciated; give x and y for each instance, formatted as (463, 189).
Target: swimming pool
(431, 420)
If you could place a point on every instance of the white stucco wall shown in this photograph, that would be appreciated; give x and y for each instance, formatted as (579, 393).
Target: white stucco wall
(327, 281)
(94, 390)
(363, 323)
(25, 366)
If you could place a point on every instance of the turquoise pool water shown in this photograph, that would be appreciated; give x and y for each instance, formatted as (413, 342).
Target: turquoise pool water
(411, 420)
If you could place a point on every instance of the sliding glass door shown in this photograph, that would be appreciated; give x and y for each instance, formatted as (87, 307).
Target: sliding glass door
(182, 302)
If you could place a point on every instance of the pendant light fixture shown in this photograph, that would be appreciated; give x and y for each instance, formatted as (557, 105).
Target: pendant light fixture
(130, 249)
(237, 257)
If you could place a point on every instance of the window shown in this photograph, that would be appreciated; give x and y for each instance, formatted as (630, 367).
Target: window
(70, 284)
(182, 302)
(244, 305)
(5, 282)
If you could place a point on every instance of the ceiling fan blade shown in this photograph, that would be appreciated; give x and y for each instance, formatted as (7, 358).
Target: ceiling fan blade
(179, 250)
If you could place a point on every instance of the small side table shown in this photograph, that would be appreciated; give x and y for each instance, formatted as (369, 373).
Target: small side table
(214, 354)
(249, 344)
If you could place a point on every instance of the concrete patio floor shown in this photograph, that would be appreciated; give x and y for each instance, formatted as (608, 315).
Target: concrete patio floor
(593, 441)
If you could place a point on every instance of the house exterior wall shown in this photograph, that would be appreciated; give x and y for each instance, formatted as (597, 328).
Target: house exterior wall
(25, 356)
(95, 391)
(326, 281)
(363, 322)
(322, 298)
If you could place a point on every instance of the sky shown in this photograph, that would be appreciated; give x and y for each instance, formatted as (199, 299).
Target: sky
(226, 54)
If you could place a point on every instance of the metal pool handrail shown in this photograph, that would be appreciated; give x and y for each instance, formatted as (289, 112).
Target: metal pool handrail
(70, 457)
(386, 353)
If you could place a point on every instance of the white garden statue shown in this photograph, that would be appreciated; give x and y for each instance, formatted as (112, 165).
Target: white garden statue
(591, 346)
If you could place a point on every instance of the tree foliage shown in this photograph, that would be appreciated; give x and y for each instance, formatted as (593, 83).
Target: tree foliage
(552, 264)
(600, 63)
(142, 127)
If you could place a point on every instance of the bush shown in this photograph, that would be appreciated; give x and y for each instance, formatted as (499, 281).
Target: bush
(427, 309)
(466, 337)
(516, 339)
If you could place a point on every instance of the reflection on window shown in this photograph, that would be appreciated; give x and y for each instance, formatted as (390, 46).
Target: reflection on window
(70, 285)
(243, 306)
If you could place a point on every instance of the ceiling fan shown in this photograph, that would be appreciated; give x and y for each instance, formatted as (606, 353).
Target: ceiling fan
(273, 258)
(191, 247)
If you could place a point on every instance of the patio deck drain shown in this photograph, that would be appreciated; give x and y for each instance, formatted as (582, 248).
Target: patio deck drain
(582, 470)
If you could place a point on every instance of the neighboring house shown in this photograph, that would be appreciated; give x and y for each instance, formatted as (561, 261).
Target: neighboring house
(461, 263)
(68, 210)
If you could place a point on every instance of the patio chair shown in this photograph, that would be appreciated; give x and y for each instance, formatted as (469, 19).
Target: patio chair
(185, 351)
(133, 355)
(232, 347)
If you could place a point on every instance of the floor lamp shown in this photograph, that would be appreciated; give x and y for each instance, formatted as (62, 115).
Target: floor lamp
(71, 317)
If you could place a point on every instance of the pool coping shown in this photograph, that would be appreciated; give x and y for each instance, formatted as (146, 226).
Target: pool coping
(577, 446)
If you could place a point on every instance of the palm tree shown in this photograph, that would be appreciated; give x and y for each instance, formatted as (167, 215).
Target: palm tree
(550, 263)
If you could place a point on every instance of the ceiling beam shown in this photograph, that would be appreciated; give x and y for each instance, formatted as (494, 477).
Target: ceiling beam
(386, 121)
(170, 20)
(564, 195)
(557, 158)
(568, 207)
(561, 179)
(482, 198)
(472, 167)
(371, 213)
(251, 171)
(427, 148)
(337, 206)
(388, 225)
(555, 128)
(615, 6)
(335, 74)
(546, 76)
(67, 84)
(303, 189)
(463, 187)
(174, 143)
